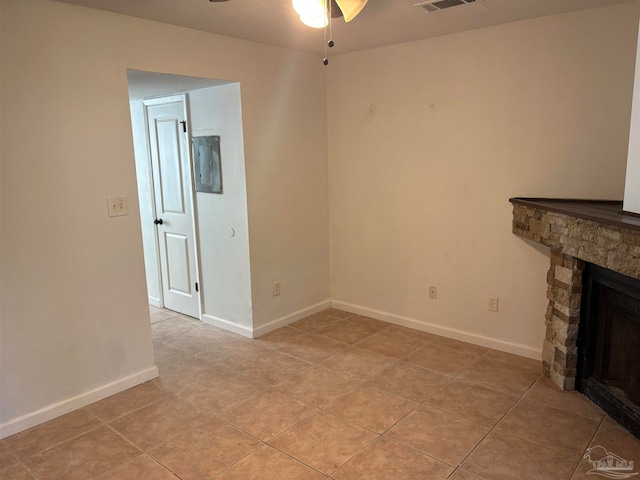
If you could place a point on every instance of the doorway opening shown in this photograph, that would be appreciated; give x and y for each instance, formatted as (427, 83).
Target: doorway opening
(196, 247)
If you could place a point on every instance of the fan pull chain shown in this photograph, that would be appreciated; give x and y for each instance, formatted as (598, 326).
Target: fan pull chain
(324, 30)
(330, 19)
(330, 42)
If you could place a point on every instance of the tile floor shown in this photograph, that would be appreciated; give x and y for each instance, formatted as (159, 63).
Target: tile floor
(333, 396)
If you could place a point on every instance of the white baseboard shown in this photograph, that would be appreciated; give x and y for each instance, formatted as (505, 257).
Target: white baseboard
(154, 302)
(227, 325)
(469, 337)
(292, 317)
(57, 409)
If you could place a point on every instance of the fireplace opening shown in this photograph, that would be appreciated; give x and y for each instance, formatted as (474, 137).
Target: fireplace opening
(608, 370)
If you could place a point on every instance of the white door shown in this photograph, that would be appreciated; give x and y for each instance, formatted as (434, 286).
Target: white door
(173, 193)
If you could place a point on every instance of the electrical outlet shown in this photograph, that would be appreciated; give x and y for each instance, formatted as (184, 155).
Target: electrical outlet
(118, 206)
(276, 288)
(433, 292)
(493, 304)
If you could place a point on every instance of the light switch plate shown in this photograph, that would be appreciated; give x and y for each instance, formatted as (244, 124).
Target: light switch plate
(118, 206)
(493, 304)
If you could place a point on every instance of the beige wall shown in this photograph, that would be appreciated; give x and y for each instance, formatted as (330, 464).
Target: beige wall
(427, 142)
(75, 324)
(224, 260)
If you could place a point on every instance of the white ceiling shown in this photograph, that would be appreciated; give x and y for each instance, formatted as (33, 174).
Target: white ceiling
(382, 22)
(151, 84)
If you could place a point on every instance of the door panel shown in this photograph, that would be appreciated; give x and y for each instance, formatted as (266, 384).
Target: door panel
(169, 159)
(173, 192)
(177, 258)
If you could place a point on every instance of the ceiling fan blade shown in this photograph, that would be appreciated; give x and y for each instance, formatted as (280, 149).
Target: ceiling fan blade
(350, 8)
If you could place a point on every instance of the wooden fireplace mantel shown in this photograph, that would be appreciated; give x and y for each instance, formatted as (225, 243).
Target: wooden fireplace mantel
(608, 212)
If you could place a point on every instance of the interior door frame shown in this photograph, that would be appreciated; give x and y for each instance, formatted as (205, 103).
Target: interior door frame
(148, 102)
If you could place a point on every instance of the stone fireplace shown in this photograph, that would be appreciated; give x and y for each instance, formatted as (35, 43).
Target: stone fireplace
(580, 233)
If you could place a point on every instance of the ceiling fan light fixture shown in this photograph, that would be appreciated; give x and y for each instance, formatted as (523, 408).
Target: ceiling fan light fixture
(320, 21)
(313, 13)
(308, 8)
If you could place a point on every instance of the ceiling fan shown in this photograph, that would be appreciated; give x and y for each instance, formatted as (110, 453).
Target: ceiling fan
(318, 14)
(314, 12)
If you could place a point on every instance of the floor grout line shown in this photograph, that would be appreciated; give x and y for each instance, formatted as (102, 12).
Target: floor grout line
(354, 383)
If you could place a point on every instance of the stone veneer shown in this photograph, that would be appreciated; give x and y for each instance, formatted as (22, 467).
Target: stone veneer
(573, 241)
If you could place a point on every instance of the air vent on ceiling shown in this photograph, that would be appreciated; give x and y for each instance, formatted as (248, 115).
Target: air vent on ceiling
(437, 5)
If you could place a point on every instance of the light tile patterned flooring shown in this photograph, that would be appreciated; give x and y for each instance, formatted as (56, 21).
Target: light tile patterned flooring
(333, 396)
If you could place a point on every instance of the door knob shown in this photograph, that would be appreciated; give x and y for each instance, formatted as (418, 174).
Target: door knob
(158, 221)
